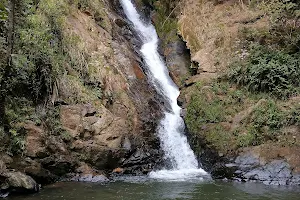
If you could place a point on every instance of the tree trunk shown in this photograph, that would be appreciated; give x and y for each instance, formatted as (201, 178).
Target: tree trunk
(4, 86)
(10, 32)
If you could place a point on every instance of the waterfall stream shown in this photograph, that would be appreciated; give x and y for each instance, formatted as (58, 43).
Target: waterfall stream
(184, 164)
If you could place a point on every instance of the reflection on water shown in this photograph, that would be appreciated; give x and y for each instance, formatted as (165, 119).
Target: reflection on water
(149, 190)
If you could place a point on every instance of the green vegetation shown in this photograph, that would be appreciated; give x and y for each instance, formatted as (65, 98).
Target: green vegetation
(166, 25)
(36, 57)
(228, 118)
(201, 111)
(271, 71)
(272, 63)
(258, 106)
(165, 20)
(34, 60)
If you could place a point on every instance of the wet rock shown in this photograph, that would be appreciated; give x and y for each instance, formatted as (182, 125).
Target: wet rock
(276, 172)
(221, 170)
(142, 161)
(247, 160)
(92, 178)
(137, 70)
(84, 169)
(4, 194)
(120, 22)
(59, 165)
(85, 173)
(127, 144)
(118, 170)
(178, 60)
(17, 182)
(35, 141)
(137, 158)
(250, 165)
(295, 180)
(35, 169)
(180, 101)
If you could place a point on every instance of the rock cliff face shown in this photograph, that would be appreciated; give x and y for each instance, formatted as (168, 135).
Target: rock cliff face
(221, 116)
(107, 120)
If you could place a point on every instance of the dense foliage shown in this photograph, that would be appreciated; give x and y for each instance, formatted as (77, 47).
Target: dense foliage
(272, 64)
(255, 103)
(33, 57)
(271, 71)
(227, 118)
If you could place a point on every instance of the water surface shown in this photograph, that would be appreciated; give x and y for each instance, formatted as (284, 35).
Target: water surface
(150, 190)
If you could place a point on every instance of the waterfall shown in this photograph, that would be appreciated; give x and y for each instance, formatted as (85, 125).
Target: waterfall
(171, 128)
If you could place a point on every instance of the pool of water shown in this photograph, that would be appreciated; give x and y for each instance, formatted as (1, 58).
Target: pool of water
(139, 189)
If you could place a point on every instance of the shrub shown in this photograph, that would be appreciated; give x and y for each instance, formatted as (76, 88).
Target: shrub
(270, 71)
(201, 111)
(268, 114)
(292, 116)
(262, 125)
(247, 139)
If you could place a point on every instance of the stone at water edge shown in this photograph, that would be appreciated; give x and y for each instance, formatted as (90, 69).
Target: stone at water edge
(118, 170)
(17, 182)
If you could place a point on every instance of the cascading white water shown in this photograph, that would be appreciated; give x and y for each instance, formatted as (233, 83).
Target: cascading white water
(174, 143)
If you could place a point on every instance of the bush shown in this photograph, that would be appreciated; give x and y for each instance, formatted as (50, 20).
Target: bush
(262, 125)
(200, 111)
(268, 114)
(270, 71)
(247, 139)
(292, 116)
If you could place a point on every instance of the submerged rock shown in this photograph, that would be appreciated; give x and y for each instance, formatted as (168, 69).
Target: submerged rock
(91, 178)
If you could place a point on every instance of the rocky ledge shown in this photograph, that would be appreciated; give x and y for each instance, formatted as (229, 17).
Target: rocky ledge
(267, 164)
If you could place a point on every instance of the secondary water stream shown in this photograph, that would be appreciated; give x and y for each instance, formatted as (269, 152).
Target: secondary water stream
(184, 164)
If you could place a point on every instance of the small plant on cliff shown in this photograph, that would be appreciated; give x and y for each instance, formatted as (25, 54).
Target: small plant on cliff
(50, 119)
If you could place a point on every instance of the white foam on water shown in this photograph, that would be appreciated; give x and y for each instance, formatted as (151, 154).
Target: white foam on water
(174, 143)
